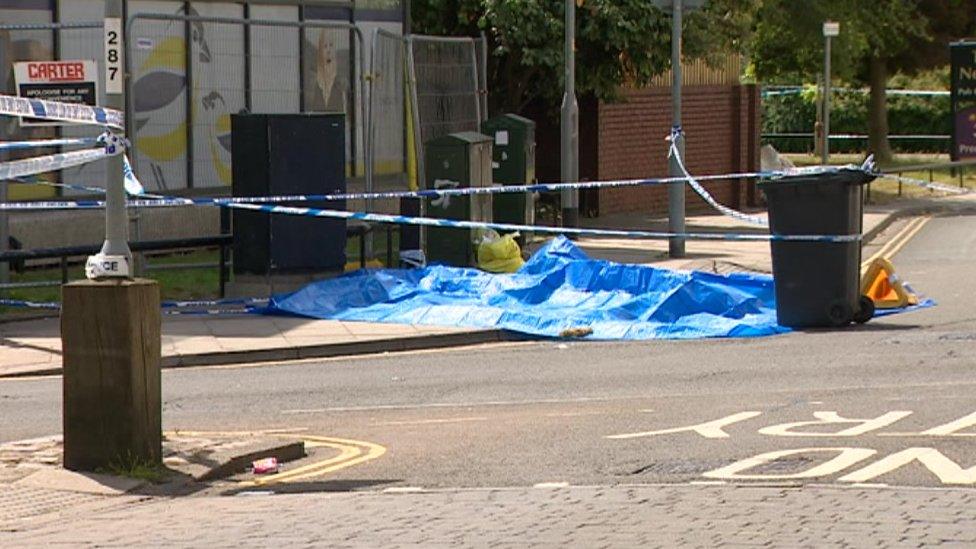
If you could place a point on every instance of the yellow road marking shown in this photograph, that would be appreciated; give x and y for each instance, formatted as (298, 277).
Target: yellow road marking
(895, 245)
(351, 452)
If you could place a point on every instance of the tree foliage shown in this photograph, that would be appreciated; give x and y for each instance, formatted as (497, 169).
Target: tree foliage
(877, 38)
(618, 42)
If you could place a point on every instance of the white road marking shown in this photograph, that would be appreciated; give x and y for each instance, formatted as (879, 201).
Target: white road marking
(575, 414)
(845, 458)
(935, 384)
(403, 490)
(709, 429)
(948, 471)
(551, 485)
(830, 418)
(454, 405)
(432, 421)
(949, 429)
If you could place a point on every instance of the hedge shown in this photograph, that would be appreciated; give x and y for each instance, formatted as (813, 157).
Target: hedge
(907, 115)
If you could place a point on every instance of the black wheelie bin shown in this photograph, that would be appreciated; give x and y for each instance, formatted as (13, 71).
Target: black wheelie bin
(818, 282)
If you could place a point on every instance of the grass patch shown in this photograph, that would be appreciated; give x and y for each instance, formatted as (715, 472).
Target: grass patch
(191, 282)
(884, 191)
(131, 467)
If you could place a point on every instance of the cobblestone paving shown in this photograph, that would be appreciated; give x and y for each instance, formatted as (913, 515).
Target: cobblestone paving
(19, 502)
(621, 516)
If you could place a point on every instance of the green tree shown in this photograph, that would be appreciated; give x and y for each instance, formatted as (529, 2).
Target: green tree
(618, 42)
(877, 39)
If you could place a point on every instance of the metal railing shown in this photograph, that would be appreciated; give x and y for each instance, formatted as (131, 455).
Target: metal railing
(222, 242)
(63, 255)
(957, 168)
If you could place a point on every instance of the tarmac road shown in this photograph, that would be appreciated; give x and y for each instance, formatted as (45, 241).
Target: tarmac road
(891, 402)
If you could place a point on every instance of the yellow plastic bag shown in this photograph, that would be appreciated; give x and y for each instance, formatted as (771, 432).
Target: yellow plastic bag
(499, 254)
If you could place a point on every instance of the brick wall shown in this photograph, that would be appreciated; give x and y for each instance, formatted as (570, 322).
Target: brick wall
(721, 130)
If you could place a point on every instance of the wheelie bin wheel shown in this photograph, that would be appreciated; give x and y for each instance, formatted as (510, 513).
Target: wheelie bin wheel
(840, 313)
(865, 310)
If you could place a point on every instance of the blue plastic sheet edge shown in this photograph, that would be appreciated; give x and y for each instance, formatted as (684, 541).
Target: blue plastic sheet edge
(558, 288)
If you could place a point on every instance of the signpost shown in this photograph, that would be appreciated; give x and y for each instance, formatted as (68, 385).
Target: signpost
(676, 191)
(962, 57)
(830, 29)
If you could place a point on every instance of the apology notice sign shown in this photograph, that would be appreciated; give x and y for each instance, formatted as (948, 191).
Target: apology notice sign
(64, 81)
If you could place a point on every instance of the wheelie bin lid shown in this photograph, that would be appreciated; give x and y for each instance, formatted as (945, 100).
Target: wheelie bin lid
(850, 175)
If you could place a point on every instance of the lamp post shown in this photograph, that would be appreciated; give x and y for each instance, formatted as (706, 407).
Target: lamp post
(569, 124)
(830, 29)
(676, 191)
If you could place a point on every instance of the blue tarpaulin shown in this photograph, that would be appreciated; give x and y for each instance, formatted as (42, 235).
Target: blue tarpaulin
(559, 288)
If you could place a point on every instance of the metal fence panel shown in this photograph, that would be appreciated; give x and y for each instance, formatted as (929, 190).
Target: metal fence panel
(447, 89)
(49, 42)
(181, 101)
(387, 110)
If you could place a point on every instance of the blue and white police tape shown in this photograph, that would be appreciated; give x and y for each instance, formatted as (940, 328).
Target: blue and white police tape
(132, 185)
(50, 163)
(29, 304)
(169, 307)
(36, 180)
(245, 301)
(11, 105)
(931, 185)
(156, 201)
(129, 179)
(707, 197)
(23, 171)
(43, 143)
(510, 227)
(428, 193)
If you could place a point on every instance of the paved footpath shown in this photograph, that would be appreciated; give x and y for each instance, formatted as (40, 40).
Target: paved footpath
(620, 516)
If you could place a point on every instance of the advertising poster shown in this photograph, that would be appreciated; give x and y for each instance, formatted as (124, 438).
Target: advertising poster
(963, 58)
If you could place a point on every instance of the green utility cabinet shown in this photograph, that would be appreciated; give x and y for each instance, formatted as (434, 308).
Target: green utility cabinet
(457, 161)
(513, 163)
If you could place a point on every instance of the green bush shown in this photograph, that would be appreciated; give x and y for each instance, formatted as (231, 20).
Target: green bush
(907, 115)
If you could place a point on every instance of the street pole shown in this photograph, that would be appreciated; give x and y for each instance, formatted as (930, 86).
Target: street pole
(569, 124)
(4, 236)
(676, 191)
(830, 29)
(115, 249)
(826, 111)
(110, 324)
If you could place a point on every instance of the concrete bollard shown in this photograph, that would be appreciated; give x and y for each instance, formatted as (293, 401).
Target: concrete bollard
(110, 336)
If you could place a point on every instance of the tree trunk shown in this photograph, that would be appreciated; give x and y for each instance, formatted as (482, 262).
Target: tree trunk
(878, 111)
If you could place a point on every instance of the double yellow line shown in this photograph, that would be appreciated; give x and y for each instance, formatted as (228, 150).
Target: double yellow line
(351, 452)
(899, 241)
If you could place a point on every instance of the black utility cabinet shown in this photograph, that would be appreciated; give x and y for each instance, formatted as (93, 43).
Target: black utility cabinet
(288, 154)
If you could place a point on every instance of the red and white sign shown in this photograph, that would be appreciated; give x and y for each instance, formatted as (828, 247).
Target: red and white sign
(65, 81)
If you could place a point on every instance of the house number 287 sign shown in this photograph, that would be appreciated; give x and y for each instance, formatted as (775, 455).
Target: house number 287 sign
(113, 55)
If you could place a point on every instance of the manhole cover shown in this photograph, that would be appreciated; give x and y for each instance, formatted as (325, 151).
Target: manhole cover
(679, 467)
